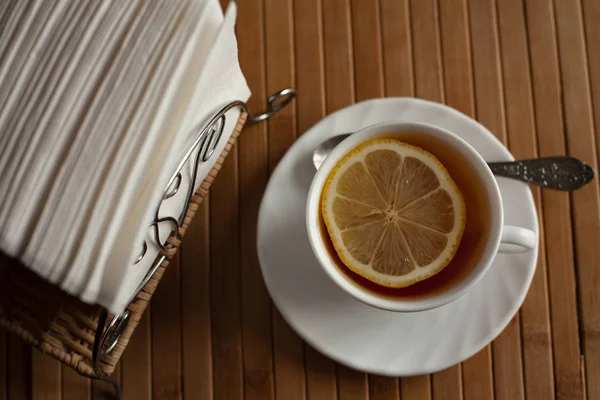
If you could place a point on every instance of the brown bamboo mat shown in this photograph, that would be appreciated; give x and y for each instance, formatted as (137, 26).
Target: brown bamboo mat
(529, 70)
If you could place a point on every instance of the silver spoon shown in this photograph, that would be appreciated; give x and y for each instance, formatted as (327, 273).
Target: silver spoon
(562, 172)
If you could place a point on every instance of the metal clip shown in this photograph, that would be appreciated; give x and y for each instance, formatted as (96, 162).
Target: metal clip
(275, 102)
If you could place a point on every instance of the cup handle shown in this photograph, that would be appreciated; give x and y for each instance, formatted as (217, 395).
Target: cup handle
(517, 240)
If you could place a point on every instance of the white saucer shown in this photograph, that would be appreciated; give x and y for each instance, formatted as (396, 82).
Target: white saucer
(357, 335)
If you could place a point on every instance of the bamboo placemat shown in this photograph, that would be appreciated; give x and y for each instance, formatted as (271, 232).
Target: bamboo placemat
(529, 70)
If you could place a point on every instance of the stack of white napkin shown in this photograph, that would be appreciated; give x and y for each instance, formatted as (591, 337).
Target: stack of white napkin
(98, 103)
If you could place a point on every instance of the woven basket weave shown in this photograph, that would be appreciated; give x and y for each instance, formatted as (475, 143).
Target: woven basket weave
(61, 325)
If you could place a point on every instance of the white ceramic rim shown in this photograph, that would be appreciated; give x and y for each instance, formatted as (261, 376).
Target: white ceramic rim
(461, 349)
(402, 305)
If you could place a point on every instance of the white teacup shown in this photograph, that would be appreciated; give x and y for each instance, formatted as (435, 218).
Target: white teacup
(501, 238)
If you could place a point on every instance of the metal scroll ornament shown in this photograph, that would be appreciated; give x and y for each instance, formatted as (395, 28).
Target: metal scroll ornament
(203, 147)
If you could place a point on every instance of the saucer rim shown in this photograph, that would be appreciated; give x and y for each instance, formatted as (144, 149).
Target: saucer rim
(500, 327)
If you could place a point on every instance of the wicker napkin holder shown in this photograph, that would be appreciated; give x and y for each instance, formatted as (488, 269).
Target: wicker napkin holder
(86, 337)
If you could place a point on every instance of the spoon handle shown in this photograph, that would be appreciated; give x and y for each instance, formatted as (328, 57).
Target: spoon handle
(562, 173)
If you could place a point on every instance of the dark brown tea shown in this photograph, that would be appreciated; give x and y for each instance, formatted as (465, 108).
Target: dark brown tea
(475, 236)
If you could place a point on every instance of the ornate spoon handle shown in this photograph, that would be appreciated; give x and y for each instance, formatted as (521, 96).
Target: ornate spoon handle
(562, 173)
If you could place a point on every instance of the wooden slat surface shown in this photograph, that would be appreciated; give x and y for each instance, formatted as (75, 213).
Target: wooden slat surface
(45, 377)
(136, 364)
(529, 70)
(165, 322)
(256, 305)
(225, 283)
(18, 369)
(3, 365)
(288, 348)
(195, 313)
(591, 329)
(75, 386)
(537, 338)
(581, 143)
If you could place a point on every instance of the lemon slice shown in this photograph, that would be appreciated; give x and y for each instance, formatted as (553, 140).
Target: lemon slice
(394, 214)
